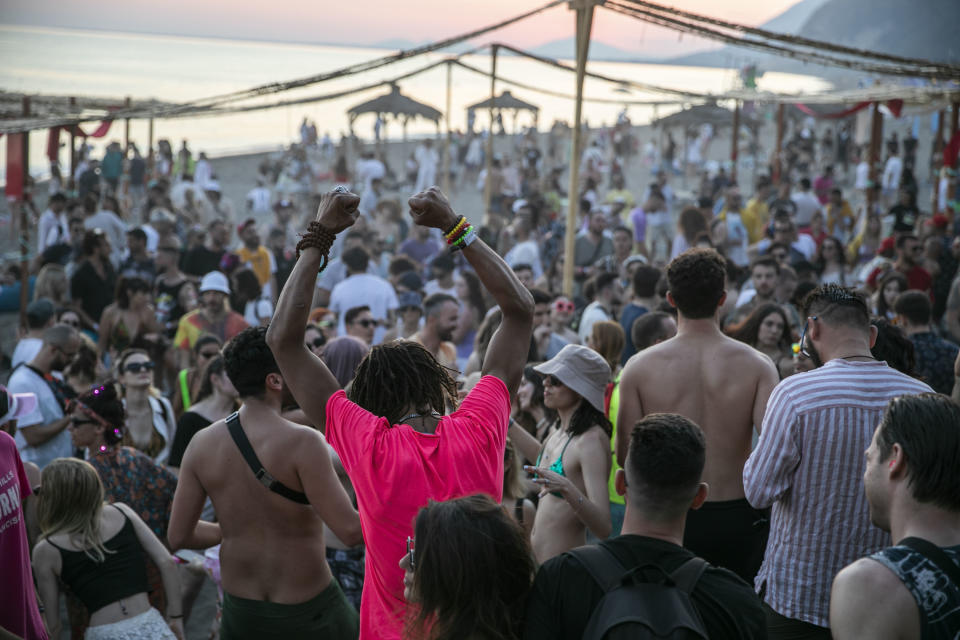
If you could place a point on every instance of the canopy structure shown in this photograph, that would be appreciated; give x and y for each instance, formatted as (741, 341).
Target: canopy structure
(710, 113)
(506, 101)
(399, 106)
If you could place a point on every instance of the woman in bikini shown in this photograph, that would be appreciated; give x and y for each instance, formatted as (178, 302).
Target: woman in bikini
(574, 463)
(130, 321)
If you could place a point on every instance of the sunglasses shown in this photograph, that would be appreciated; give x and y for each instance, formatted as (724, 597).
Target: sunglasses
(803, 336)
(563, 307)
(137, 367)
(316, 343)
(366, 323)
(79, 423)
(553, 381)
(71, 323)
(411, 548)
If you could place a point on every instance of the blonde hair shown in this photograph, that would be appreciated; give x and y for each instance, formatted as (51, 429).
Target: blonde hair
(70, 503)
(608, 339)
(52, 284)
(513, 486)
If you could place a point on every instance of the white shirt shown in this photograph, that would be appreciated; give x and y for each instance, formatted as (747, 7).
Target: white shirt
(26, 350)
(51, 226)
(526, 252)
(115, 229)
(432, 287)
(807, 205)
(592, 314)
(863, 175)
(202, 173)
(359, 290)
(257, 310)
(891, 173)
(26, 380)
(259, 199)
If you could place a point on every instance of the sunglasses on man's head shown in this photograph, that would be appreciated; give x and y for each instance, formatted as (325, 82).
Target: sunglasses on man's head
(137, 367)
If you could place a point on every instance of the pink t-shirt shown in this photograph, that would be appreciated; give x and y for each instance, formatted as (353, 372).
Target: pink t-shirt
(396, 470)
(18, 604)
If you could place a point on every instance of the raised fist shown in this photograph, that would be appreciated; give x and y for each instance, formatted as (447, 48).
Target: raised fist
(430, 208)
(338, 209)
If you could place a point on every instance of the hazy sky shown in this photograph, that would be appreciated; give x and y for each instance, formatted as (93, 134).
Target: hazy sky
(372, 21)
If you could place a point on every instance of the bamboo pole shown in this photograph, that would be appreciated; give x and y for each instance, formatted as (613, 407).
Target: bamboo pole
(584, 17)
(876, 135)
(488, 160)
(445, 164)
(778, 154)
(24, 225)
(733, 142)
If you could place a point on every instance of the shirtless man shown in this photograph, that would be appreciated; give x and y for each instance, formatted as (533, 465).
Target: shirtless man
(721, 385)
(276, 580)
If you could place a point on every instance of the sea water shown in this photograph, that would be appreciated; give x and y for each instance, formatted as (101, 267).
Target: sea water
(176, 69)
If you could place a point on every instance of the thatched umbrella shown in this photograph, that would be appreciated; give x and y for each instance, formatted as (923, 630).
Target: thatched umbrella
(691, 118)
(508, 101)
(397, 105)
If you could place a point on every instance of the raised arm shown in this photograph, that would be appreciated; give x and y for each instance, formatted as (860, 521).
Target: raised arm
(505, 355)
(307, 376)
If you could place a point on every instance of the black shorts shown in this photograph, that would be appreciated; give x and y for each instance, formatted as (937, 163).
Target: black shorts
(729, 534)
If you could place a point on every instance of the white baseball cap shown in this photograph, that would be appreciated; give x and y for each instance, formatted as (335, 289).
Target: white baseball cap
(215, 281)
(17, 404)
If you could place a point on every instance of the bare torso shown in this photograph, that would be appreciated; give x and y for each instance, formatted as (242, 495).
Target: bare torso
(557, 528)
(273, 548)
(720, 384)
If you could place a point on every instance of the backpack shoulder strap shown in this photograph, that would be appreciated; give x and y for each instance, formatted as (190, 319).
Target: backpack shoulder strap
(936, 555)
(606, 570)
(246, 450)
(687, 575)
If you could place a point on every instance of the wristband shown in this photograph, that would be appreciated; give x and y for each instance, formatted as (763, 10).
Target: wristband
(455, 227)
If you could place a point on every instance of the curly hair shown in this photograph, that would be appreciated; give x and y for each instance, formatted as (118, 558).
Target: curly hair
(248, 360)
(105, 401)
(473, 571)
(696, 281)
(400, 374)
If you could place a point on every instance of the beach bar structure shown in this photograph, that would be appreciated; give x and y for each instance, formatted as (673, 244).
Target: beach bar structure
(401, 107)
(506, 101)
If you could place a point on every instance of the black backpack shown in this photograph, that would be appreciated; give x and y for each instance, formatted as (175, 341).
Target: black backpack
(642, 603)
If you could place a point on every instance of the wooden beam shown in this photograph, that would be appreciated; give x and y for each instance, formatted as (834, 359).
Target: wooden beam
(873, 157)
(24, 225)
(733, 142)
(778, 153)
(488, 160)
(445, 163)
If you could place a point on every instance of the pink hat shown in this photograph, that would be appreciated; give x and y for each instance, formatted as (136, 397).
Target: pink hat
(16, 405)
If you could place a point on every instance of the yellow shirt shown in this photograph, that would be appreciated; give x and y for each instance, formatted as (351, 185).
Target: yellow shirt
(755, 217)
(260, 262)
(615, 497)
(842, 215)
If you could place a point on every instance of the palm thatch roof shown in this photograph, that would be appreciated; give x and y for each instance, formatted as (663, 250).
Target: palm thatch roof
(396, 104)
(505, 100)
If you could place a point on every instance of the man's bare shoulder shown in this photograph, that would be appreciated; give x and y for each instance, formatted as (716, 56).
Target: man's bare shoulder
(866, 595)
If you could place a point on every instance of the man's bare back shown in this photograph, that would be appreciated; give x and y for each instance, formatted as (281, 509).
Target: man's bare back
(272, 547)
(720, 384)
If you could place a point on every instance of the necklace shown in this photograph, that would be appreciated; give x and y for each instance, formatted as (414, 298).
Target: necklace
(418, 415)
(851, 357)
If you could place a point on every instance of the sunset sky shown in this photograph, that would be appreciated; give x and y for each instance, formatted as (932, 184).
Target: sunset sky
(369, 22)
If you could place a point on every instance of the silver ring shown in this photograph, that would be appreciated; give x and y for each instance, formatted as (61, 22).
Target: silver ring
(340, 189)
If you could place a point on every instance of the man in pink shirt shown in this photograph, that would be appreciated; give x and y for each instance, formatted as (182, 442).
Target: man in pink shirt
(391, 433)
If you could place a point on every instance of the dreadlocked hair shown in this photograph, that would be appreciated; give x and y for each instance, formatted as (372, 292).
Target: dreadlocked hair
(400, 373)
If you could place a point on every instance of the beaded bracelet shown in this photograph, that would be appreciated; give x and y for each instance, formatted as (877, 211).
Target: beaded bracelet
(317, 237)
(454, 226)
(457, 228)
(464, 241)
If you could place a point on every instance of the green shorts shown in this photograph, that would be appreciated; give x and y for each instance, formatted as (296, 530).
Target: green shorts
(328, 615)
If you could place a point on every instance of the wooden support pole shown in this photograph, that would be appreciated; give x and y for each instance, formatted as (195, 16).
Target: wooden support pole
(488, 159)
(150, 147)
(73, 143)
(778, 152)
(936, 150)
(24, 224)
(735, 138)
(445, 163)
(873, 157)
(126, 128)
(584, 17)
(954, 127)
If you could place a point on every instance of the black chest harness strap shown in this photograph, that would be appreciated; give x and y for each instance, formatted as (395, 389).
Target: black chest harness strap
(267, 480)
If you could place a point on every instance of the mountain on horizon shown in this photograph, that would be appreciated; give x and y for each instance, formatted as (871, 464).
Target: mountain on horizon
(893, 27)
(565, 49)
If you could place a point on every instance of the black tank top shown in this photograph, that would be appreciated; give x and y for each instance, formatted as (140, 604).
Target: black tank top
(123, 572)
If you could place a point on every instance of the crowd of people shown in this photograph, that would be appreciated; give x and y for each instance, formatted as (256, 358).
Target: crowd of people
(358, 422)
